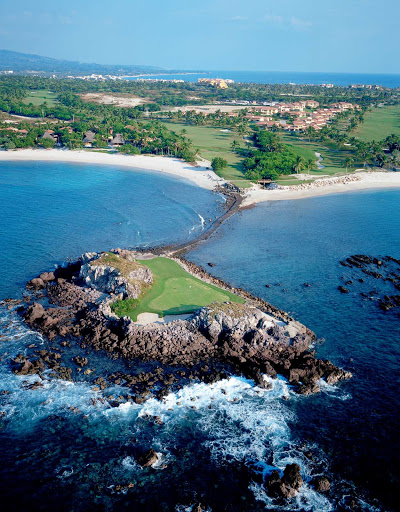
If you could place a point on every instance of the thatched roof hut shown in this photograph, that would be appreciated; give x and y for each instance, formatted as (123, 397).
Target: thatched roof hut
(118, 140)
(89, 137)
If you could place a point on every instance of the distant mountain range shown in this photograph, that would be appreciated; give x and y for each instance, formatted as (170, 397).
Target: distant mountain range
(25, 63)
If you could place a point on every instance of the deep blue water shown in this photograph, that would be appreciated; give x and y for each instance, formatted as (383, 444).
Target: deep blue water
(63, 447)
(286, 244)
(285, 77)
(51, 212)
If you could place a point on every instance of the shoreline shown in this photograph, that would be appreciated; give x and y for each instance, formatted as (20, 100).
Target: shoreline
(201, 176)
(326, 186)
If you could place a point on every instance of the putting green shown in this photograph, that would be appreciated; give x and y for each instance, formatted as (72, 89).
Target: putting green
(174, 292)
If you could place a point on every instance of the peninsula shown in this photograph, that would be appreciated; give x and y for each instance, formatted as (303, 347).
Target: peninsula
(105, 300)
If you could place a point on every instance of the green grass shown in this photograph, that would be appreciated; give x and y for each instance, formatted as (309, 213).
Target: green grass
(174, 292)
(379, 123)
(211, 142)
(333, 158)
(40, 97)
(289, 180)
(303, 151)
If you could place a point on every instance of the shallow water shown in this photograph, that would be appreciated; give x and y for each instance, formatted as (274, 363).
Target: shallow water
(287, 244)
(53, 211)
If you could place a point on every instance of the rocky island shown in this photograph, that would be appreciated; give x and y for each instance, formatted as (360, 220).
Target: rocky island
(239, 335)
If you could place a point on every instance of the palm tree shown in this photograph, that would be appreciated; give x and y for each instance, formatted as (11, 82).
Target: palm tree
(234, 145)
(381, 159)
(299, 164)
(349, 163)
(310, 164)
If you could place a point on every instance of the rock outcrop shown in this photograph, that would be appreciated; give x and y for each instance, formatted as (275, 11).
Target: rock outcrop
(321, 484)
(243, 336)
(286, 486)
(116, 275)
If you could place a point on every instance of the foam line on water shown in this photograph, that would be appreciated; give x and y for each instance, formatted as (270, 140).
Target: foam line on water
(233, 419)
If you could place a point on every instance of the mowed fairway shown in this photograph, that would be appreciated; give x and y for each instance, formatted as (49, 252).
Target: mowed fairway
(176, 292)
(333, 159)
(40, 97)
(379, 123)
(211, 142)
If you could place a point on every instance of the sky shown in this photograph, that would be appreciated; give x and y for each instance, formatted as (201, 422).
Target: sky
(359, 36)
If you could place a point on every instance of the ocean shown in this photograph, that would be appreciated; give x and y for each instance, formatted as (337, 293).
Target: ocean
(63, 447)
(285, 77)
(289, 244)
(54, 212)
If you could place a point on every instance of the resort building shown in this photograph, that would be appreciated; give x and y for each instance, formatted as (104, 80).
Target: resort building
(89, 138)
(117, 140)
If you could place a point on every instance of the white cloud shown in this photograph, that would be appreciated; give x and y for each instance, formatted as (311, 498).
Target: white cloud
(273, 18)
(296, 22)
(28, 14)
(282, 21)
(239, 18)
(65, 20)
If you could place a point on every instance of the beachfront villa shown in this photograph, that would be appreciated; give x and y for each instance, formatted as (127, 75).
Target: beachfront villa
(118, 140)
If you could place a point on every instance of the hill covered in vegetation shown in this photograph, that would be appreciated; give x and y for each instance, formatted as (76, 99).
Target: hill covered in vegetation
(27, 63)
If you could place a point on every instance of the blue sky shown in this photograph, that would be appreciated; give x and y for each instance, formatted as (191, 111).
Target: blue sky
(269, 35)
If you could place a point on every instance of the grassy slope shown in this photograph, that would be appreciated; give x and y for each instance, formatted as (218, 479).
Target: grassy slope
(379, 123)
(333, 159)
(40, 97)
(175, 291)
(303, 151)
(212, 142)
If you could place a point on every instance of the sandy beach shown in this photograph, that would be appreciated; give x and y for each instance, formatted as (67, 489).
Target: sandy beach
(201, 176)
(327, 186)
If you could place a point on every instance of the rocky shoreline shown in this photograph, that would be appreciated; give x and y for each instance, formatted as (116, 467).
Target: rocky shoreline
(218, 340)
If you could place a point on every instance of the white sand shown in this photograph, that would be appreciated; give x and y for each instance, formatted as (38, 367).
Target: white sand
(120, 100)
(201, 176)
(368, 180)
(153, 318)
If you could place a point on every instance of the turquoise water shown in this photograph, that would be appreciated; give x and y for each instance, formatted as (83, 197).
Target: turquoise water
(286, 244)
(63, 447)
(50, 212)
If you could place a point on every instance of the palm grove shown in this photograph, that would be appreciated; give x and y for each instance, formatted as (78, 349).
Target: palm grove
(142, 131)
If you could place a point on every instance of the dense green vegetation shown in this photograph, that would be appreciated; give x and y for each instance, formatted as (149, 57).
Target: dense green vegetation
(272, 158)
(174, 292)
(214, 142)
(174, 94)
(353, 139)
(23, 62)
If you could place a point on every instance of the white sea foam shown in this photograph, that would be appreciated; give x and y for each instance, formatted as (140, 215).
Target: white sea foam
(334, 391)
(202, 221)
(233, 418)
(237, 421)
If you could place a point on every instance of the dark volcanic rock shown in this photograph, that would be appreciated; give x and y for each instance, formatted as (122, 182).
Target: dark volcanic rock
(23, 366)
(36, 284)
(34, 313)
(148, 459)
(321, 484)
(342, 289)
(47, 277)
(241, 337)
(80, 361)
(287, 486)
